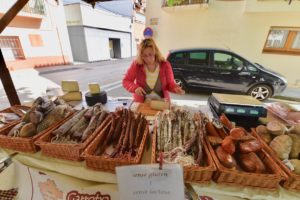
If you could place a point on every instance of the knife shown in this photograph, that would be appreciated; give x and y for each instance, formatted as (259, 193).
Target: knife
(5, 162)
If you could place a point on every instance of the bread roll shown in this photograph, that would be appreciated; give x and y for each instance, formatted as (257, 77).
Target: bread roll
(296, 165)
(263, 132)
(276, 128)
(282, 146)
(295, 151)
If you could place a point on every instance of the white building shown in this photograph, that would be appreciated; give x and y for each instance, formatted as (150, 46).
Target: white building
(36, 37)
(135, 9)
(97, 33)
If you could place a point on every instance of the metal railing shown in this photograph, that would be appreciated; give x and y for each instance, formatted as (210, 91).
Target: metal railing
(11, 47)
(171, 3)
(35, 7)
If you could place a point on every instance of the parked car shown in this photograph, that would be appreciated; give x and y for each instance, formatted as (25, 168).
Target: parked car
(219, 70)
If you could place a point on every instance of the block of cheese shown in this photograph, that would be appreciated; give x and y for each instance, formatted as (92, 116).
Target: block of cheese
(159, 105)
(72, 96)
(94, 88)
(69, 86)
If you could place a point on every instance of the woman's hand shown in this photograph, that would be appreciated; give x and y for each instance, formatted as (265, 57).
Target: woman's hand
(178, 90)
(140, 91)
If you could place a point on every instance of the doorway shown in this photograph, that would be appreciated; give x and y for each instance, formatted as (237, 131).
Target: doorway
(114, 48)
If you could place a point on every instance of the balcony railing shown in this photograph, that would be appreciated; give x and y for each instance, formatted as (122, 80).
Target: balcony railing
(171, 3)
(35, 7)
(32, 7)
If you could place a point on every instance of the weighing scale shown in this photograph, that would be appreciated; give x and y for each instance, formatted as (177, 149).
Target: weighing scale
(241, 109)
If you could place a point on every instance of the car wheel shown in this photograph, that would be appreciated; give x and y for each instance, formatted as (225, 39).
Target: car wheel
(180, 83)
(261, 92)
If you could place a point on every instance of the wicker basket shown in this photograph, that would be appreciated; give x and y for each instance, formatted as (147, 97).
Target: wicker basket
(196, 174)
(292, 180)
(109, 164)
(24, 144)
(233, 177)
(14, 109)
(65, 151)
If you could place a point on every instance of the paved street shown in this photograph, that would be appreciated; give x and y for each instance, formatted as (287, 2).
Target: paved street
(31, 83)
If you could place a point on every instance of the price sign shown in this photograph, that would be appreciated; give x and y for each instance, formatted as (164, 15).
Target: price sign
(148, 182)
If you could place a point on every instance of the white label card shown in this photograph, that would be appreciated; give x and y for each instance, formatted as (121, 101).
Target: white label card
(147, 182)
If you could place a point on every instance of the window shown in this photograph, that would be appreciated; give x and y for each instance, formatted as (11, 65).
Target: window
(36, 40)
(11, 47)
(35, 7)
(198, 58)
(227, 61)
(283, 40)
(178, 58)
(251, 68)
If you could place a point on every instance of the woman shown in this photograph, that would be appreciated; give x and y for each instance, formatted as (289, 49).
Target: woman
(150, 76)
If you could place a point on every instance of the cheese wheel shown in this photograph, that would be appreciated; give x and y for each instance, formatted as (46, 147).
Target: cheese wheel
(92, 99)
(69, 86)
(94, 88)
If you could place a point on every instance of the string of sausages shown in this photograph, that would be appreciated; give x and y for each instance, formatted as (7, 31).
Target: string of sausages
(123, 135)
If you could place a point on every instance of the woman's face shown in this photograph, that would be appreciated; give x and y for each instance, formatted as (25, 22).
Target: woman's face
(148, 56)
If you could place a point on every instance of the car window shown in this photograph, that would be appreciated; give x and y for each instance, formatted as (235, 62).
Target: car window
(227, 61)
(177, 58)
(251, 68)
(198, 58)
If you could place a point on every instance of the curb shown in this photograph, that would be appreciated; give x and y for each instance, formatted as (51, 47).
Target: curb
(295, 99)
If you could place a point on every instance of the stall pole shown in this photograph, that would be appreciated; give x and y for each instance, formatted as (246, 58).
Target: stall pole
(7, 82)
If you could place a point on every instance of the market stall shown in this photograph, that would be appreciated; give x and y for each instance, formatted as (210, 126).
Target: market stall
(72, 178)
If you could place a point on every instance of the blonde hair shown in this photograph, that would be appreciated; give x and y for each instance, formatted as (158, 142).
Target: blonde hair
(149, 43)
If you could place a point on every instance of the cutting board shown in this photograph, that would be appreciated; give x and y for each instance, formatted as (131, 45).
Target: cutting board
(146, 110)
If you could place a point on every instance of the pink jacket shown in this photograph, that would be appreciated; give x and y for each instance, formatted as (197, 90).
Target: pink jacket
(136, 77)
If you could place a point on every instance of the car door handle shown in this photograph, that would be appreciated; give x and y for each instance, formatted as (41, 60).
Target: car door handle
(245, 74)
(225, 73)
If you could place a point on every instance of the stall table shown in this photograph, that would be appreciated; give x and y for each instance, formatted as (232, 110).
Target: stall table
(50, 176)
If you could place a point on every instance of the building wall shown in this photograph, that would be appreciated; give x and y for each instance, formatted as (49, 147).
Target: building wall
(138, 34)
(78, 43)
(55, 48)
(241, 26)
(99, 26)
(98, 43)
(104, 19)
(139, 26)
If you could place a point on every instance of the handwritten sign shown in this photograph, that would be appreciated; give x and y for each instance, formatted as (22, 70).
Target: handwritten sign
(143, 182)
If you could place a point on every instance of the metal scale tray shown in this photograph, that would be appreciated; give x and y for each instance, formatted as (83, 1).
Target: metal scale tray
(243, 110)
